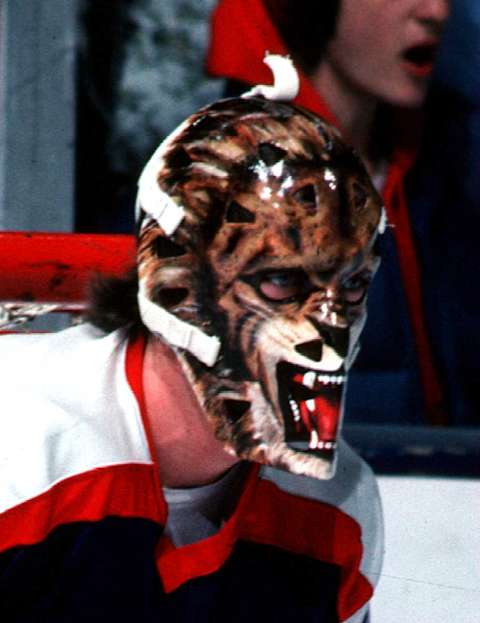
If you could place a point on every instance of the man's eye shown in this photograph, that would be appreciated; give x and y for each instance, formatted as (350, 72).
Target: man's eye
(282, 286)
(355, 289)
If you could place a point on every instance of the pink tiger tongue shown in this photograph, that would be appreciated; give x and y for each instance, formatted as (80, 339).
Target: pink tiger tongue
(321, 415)
(324, 418)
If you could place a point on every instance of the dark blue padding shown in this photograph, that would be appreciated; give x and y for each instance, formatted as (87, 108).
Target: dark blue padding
(105, 571)
(384, 385)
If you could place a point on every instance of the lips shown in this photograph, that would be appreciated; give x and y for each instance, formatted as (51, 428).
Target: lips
(311, 406)
(419, 59)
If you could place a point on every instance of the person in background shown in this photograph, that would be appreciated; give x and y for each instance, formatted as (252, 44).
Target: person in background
(366, 66)
(446, 199)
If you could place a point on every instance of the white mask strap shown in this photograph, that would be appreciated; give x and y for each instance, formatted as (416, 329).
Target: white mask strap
(159, 205)
(151, 198)
(177, 332)
(286, 82)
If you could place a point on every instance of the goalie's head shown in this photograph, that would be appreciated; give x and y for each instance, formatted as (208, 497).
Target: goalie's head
(256, 227)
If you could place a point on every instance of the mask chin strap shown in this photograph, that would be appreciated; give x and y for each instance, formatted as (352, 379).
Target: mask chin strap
(177, 332)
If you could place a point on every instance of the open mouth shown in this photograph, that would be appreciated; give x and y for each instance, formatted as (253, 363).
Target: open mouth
(420, 59)
(311, 403)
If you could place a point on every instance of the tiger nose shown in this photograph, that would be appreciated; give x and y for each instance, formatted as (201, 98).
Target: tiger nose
(338, 339)
(312, 350)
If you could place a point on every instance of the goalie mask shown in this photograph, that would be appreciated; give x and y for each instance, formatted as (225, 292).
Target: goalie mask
(256, 228)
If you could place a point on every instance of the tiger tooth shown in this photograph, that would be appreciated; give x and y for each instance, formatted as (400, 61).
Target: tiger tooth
(313, 440)
(295, 410)
(326, 445)
(311, 404)
(309, 379)
(327, 379)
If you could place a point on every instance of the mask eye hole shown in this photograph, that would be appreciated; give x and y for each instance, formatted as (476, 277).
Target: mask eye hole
(164, 247)
(284, 286)
(360, 195)
(270, 154)
(306, 195)
(236, 213)
(235, 409)
(169, 297)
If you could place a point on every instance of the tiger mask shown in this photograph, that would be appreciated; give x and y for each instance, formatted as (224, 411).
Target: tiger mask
(271, 255)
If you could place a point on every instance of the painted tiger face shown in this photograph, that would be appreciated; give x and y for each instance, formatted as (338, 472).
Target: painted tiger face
(274, 257)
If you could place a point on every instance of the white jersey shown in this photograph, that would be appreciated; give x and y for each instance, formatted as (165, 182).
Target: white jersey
(75, 446)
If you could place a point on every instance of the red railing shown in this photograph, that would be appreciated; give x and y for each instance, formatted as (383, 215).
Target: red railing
(56, 267)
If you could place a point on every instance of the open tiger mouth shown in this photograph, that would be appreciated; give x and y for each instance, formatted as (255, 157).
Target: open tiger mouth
(311, 406)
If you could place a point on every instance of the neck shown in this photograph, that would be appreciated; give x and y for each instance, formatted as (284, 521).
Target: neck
(187, 452)
(354, 110)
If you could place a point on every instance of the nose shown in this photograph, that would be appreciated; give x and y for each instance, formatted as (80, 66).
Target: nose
(338, 339)
(433, 11)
